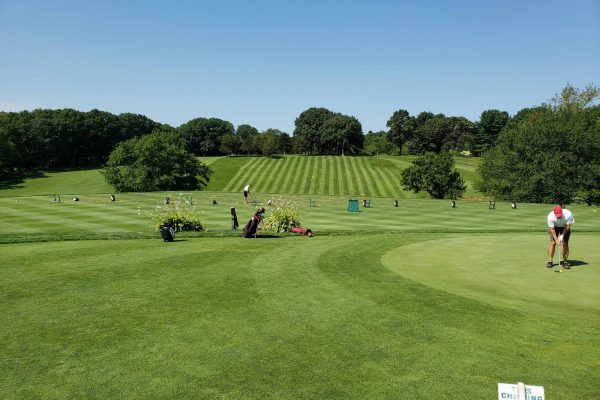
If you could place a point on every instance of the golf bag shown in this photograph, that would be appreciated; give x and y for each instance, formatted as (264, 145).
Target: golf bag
(167, 232)
(251, 227)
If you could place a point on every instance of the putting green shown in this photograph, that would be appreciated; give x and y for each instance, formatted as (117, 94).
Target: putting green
(505, 269)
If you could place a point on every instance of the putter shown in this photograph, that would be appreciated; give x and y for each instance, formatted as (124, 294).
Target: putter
(560, 268)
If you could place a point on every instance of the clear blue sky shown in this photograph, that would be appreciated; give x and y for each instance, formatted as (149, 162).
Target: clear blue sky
(264, 62)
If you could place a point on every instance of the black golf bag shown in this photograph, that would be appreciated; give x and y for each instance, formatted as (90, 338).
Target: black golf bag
(251, 227)
(167, 232)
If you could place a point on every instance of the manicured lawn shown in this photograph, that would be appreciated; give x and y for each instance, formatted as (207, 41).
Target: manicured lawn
(323, 175)
(375, 316)
(419, 301)
(291, 174)
(66, 183)
(95, 216)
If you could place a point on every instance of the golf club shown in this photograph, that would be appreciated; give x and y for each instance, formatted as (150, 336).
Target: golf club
(560, 238)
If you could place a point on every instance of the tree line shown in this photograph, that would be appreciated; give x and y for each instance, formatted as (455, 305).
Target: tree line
(67, 138)
(546, 153)
(429, 132)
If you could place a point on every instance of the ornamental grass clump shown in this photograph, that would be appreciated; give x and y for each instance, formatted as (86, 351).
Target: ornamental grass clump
(282, 215)
(180, 213)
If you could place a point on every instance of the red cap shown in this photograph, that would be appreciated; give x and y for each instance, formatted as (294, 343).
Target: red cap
(558, 212)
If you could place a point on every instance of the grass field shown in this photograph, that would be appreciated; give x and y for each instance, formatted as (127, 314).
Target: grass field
(292, 174)
(321, 175)
(416, 302)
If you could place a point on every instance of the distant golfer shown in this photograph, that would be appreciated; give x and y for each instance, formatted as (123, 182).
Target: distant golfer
(559, 227)
(246, 192)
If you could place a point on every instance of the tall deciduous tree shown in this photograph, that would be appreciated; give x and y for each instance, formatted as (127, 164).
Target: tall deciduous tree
(546, 154)
(8, 154)
(70, 138)
(434, 174)
(430, 136)
(230, 144)
(341, 134)
(248, 135)
(402, 127)
(442, 133)
(377, 143)
(490, 124)
(272, 141)
(309, 125)
(203, 135)
(154, 162)
(572, 100)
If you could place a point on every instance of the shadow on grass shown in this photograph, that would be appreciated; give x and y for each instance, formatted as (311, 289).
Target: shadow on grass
(267, 236)
(18, 181)
(577, 263)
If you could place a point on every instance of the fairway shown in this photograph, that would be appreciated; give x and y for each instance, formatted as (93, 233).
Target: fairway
(288, 317)
(419, 301)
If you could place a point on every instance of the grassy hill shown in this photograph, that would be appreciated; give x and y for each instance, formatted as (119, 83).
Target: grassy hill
(65, 183)
(291, 174)
(321, 175)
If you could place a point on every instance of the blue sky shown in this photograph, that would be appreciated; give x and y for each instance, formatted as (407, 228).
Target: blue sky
(264, 62)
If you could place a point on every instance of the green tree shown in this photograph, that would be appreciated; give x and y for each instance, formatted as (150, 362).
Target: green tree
(423, 117)
(203, 135)
(248, 135)
(492, 122)
(430, 136)
(402, 127)
(434, 174)
(442, 133)
(309, 125)
(272, 141)
(154, 162)
(546, 154)
(572, 100)
(490, 125)
(230, 144)
(8, 154)
(377, 143)
(133, 125)
(341, 134)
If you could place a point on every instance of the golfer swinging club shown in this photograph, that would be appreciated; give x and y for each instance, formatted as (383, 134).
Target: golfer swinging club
(559, 227)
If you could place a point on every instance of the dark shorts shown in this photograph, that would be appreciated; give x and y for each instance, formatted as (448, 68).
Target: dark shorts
(245, 193)
(559, 231)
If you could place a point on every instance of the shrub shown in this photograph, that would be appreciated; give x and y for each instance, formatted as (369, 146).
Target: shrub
(435, 174)
(154, 162)
(282, 216)
(180, 213)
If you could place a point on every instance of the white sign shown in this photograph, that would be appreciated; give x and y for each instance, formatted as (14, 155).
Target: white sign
(519, 391)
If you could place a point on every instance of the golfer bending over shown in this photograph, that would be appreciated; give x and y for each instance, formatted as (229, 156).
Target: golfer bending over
(559, 227)
(246, 192)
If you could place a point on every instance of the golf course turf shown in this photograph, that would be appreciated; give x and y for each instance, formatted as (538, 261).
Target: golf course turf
(416, 302)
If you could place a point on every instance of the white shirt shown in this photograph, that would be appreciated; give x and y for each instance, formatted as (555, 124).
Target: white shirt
(566, 219)
(247, 188)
